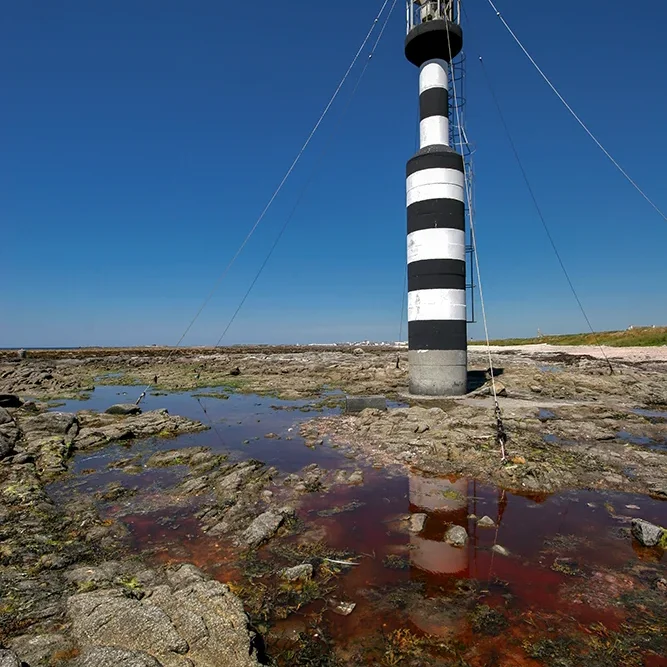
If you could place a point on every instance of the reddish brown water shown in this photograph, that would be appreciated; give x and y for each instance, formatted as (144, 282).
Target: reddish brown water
(571, 567)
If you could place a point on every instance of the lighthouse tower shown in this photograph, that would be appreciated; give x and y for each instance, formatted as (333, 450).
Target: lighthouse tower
(437, 321)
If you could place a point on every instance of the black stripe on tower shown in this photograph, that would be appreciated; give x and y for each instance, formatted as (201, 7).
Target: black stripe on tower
(436, 274)
(435, 157)
(434, 102)
(437, 334)
(436, 214)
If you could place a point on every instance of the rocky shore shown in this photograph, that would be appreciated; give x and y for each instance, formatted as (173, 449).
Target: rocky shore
(77, 590)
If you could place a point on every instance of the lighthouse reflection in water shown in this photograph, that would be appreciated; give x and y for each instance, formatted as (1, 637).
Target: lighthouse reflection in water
(447, 503)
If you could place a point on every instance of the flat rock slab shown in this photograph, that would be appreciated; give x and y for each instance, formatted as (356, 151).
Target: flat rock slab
(123, 409)
(183, 620)
(110, 656)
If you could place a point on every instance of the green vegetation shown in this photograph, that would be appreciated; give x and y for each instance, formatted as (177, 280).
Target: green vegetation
(637, 337)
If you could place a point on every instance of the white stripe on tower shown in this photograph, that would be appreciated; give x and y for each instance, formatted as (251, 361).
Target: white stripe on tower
(433, 103)
(437, 304)
(436, 243)
(435, 183)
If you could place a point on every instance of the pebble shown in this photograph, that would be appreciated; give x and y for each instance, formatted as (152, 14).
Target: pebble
(486, 522)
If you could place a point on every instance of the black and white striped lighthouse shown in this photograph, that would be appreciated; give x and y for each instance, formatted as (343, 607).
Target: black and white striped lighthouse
(437, 329)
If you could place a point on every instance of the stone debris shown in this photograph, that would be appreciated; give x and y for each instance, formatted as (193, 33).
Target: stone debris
(297, 573)
(417, 522)
(646, 533)
(342, 608)
(456, 536)
(486, 522)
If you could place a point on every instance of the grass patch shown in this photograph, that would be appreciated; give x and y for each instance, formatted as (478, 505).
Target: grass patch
(638, 337)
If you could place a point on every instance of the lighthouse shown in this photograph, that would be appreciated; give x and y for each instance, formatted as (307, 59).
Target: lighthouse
(435, 187)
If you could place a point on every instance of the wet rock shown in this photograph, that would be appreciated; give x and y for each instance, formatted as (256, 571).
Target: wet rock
(354, 404)
(10, 401)
(342, 608)
(488, 621)
(456, 536)
(486, 522)
(174, 457)
(123, 409)
(646, 533)
(357, 477)
(9, 659)
(298, 573)
(110, 656)
(97, 430)
(272, 436)
(417, 521)
(500, 550)
(263, 528)
(114, 491)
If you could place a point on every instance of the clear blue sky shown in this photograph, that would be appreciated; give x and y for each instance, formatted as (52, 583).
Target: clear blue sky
(141, 140)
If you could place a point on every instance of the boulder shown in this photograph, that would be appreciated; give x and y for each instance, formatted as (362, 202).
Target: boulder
(47, 424)
(486, 522)
(646, 533)
(183, 619)
(123, 409)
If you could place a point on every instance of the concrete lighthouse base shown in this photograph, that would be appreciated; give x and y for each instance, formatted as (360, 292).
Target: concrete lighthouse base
(435, 373)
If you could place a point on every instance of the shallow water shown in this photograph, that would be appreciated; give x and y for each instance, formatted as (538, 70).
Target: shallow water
(569, 559)
(642, 440)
